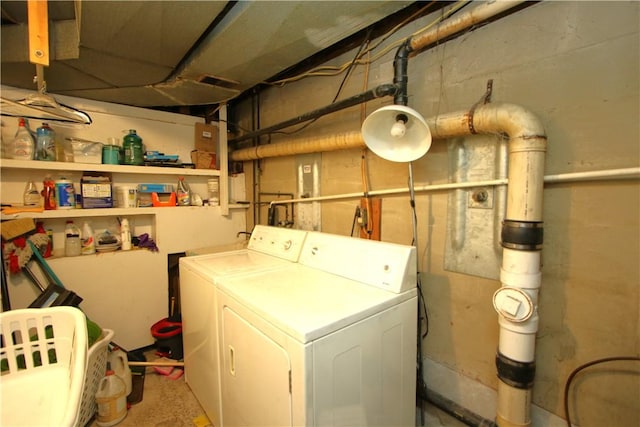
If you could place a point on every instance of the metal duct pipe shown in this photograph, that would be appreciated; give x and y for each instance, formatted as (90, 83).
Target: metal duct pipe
(377, 92)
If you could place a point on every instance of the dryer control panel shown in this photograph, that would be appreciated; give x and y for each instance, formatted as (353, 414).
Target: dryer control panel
(285, 243)
(385, 265)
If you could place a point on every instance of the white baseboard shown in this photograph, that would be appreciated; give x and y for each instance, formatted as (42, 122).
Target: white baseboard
(475, 396)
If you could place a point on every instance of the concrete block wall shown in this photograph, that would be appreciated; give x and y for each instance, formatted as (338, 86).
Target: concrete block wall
(576, 66)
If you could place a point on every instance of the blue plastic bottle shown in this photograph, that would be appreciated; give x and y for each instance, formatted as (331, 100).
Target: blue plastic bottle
(45, 143)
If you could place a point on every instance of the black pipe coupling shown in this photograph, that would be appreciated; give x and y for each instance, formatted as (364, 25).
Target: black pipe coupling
(516, 374)
(522, 235)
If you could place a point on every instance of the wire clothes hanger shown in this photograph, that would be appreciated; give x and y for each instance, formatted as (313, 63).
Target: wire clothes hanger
(41, 105)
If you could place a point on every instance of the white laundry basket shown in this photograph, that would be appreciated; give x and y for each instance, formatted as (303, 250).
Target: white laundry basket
(96, 369)
(43, 354)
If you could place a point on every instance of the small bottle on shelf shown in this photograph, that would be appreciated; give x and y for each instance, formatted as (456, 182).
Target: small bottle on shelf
(183, 193)
(49, 193)
(125, 234)
(45, 143)
(31, 196)
(72, 244)
(23, 145)
(88, 239)
(214, 191)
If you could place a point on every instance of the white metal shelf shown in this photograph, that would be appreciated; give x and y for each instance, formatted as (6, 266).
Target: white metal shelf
(98, 167)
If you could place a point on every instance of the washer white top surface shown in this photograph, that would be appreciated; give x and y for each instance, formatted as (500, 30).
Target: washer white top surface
(307, 303)
(240, 262)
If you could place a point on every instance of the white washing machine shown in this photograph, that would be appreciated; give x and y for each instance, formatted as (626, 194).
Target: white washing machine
(330, 340)
(268, 248)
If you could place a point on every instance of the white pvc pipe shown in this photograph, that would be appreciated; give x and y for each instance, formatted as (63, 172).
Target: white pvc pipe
(517, 340)
(610, 174)
(391, 191)
(626, 173)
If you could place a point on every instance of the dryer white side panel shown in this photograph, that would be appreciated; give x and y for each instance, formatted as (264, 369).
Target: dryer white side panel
(255, 376)
(365, 374)
(200, 341)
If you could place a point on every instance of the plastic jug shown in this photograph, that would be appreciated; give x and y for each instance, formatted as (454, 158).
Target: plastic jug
(133, 149)
(72, 243)
(45, 143)
(111, 400)
(120, 366)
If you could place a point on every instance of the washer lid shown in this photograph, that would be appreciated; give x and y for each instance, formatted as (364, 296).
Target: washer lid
(307, 303)
(240, 262)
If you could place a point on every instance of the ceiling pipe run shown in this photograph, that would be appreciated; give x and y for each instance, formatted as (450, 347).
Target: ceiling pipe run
(398, 89)
(292, 147)
(461, 22)
(377, 92)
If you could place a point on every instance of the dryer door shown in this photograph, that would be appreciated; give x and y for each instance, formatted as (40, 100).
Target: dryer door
(255, 377)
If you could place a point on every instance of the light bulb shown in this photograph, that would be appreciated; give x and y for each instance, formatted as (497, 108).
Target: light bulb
(398, 129)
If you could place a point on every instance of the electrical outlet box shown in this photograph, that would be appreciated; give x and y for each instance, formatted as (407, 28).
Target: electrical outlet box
(308, 177)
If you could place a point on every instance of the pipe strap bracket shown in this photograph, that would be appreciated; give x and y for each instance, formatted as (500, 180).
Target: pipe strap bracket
(522, 235)
(486, 98)
(516, 374)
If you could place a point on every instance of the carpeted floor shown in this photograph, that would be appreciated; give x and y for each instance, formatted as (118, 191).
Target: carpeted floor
(165, 403)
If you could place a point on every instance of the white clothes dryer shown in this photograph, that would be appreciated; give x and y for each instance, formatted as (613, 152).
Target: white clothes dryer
(329, 341)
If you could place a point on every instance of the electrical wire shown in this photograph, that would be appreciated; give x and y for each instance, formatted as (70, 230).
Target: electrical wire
(581, 368)
(344, 80)
(327, 70)
(356, 215)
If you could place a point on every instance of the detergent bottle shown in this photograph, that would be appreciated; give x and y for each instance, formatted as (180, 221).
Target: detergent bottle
(111, 400)
(23, 144)
(120, 367)
(88, 239)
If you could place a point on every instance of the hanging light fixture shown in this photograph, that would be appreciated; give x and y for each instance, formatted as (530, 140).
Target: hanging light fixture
(397, 133)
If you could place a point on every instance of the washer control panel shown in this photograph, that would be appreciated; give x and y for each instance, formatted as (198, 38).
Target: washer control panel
(385, 265)
(280, 242)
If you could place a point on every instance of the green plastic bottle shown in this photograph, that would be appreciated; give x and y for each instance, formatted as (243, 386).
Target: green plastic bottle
(133, 149)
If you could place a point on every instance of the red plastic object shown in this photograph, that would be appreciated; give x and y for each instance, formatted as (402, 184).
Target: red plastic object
(166, 329)
(157, 203)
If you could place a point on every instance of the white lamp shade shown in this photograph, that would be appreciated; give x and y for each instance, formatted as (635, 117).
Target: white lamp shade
(397, 146)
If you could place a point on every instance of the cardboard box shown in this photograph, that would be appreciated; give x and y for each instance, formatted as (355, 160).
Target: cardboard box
(155, 188)
(206, 137)
(97, 192)
(203, 159)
